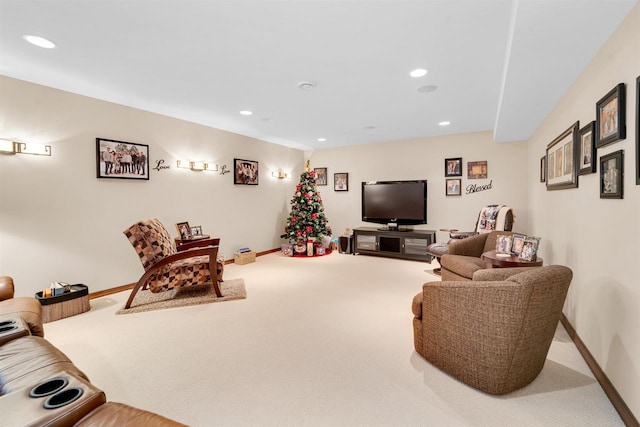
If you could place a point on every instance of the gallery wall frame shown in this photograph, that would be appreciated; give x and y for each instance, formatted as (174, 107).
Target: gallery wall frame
(611, 117)
(562, 160)
(453, 166)
(453, 187)
(321, 176)
(121, 160)
(612, 175)
(245, 172)
(543, 169)
(477, 170)
(341, 181)
(587, 153)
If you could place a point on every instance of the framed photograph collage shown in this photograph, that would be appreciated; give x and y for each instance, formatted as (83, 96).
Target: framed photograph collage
(575, 151)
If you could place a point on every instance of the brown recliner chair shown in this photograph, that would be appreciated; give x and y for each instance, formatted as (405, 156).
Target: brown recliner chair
(463, 258)
(490, 218)
(491, 335)
(27, 308)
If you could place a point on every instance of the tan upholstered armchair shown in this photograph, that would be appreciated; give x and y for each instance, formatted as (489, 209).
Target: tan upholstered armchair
(463, 257)
(167, 267)
(491, 335)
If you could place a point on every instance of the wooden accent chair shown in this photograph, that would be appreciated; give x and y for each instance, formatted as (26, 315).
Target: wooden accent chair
(167, 267)
(492, 334)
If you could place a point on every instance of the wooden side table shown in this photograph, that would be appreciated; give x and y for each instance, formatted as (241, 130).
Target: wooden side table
(180, 242)
(493, 260)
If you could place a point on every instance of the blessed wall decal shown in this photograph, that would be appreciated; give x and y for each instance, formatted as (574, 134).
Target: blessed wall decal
(473, 188)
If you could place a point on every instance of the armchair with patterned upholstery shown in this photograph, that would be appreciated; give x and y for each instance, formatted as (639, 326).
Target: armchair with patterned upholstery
(168, 267)
(494, 333)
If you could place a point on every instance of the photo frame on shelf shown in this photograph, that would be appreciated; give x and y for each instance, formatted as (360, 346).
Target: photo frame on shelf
(453, 187)
(184, 231)
(341, 181)
(543, 169)
(453, 167)
(121, 160)
(529, 250)
(562, 162)
(477, 170)
(195, 230)
(587, 149)
(611, 175)
(517, 241)
(503, 244)
(610, 117)
(321, 176)
(245, 172)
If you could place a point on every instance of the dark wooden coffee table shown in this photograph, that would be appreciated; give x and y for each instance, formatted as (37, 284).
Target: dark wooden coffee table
(493, 260)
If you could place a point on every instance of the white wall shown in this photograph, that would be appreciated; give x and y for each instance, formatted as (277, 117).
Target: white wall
(423, 158)
(58, 222)
(598, 238)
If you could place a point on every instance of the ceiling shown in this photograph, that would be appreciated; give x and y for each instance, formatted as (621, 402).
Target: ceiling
(496, 65)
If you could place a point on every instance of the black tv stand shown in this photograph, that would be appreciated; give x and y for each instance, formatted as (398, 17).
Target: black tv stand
(405, 243)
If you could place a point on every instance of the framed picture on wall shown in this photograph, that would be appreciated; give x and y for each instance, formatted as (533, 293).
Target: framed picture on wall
(587, 149)
(321, 176)
(562, 164)
(543, 169)
(121, 160)
(477, 170)
(453, 166)
(611, 175)
(610, 117)
(453, 187)
(245, 172)
(341, 181)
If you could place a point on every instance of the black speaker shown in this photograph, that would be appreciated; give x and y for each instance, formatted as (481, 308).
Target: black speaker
(345, 244)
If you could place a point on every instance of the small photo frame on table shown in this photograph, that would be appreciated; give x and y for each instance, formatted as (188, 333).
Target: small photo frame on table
(184, 231)
(517, 240)
(543, 169)
(587, 149)
(611, 175)
(121, 160)
(195, 230)
(477, 170)
(245, 172)
(321, 176)
(562, 161)
(341, 181)
(503, 244)
(453, 167)
(610, 117)
(453, 187)
(529, 250)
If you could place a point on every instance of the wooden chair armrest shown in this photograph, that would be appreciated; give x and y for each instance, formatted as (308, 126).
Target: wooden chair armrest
(199, 243)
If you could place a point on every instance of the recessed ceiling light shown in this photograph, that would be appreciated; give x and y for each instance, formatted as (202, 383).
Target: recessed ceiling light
(445, 123)
(427, 88)
(418, 72)
(322, 139)
(39, 41)
(246, 112)
(306, 86)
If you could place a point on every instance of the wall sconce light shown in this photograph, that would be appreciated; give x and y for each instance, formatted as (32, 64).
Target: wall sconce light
(11, 147)
(197, 166)
(7, 147)
(32, 148)
(279, 174)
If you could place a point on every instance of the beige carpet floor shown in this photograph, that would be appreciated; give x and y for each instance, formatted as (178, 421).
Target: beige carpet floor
(319, 342)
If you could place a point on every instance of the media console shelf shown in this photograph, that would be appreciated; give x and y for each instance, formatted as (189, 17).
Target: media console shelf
(397, 244)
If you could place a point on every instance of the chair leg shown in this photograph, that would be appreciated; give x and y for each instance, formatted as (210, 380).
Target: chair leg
(214, 278)
(135, 290)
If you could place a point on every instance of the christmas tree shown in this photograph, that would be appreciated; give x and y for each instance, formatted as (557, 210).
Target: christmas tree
(307, 219)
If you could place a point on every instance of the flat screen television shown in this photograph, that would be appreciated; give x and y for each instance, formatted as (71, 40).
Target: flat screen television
(395, 202)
